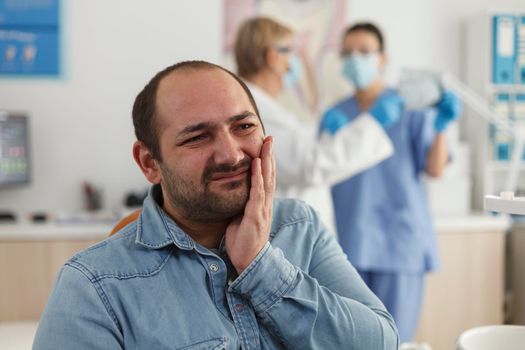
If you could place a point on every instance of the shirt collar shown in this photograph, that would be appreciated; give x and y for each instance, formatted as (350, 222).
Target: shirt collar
(156, 229)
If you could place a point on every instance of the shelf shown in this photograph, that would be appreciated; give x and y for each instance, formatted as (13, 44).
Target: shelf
(503, 165)
(512, 88)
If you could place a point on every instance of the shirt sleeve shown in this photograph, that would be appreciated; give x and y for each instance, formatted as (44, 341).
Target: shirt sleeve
(76, 317)
(303, 159)
(329, 306)
(422, 134)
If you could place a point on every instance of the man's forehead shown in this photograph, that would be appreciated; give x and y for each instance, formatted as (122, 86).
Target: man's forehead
(198, 93)
(191, 81)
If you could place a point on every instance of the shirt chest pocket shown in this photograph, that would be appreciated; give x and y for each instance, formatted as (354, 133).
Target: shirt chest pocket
(212, 344)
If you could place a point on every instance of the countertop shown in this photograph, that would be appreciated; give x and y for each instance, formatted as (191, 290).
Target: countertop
(53, 231)
(477, 222)
(27, 231)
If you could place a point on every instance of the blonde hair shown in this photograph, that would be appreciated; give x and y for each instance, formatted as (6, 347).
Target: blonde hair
(254, 37)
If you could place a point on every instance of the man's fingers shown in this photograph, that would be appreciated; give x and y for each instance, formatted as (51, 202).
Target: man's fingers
(256, 199)
(262, 182)
(271, 189)
(268, 167)
(268, 173)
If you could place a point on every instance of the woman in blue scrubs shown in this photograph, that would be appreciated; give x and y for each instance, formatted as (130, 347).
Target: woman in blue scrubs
(382, 216)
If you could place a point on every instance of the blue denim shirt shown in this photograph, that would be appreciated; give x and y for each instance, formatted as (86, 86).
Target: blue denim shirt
(151, 286)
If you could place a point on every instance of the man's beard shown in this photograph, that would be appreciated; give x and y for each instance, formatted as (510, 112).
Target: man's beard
(198, 202)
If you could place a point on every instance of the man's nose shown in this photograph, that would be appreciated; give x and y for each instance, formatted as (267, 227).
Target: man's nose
(228, 150)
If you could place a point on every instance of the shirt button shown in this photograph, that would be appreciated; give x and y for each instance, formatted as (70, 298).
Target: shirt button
(214, 267)
(239, 307)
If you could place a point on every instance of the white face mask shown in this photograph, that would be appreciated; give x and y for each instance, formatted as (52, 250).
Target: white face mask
(361, 69)
(293, 74)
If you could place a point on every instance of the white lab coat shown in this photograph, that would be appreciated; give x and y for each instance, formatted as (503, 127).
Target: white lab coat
(308, 165)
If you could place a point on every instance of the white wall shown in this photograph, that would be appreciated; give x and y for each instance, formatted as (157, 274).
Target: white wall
(425, 33)
(81, 124)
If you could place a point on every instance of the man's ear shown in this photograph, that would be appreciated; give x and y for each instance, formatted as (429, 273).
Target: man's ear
(146, 162)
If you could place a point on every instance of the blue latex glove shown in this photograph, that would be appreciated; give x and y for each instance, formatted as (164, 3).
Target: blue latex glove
(333, 120)
(449, 108)
(387, 110)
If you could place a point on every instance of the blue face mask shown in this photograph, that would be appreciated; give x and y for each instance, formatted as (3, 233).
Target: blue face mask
(362, 70)
(294, 72)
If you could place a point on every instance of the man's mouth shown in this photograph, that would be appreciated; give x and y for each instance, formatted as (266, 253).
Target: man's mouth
(230, 176)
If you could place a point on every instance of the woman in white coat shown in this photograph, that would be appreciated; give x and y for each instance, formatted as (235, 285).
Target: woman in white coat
(307, 165)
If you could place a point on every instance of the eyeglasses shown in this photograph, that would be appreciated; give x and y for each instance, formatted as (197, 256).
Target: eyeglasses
(283, 49)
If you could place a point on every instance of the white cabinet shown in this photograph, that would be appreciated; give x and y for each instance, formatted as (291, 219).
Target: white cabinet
(468, 290)
(30, 258)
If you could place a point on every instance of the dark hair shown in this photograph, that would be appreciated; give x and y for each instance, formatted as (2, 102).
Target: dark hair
(145, 111)
(369, 28)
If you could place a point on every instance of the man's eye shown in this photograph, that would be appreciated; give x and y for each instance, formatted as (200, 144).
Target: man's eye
(245, 126)
(194, 139)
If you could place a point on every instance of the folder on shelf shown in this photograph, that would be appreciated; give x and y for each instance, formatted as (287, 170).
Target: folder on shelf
(519, 106)
(504, 50)
(502, 105)
(521, 49)
(502, 143)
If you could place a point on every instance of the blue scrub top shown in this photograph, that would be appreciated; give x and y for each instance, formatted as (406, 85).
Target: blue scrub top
(382, 215)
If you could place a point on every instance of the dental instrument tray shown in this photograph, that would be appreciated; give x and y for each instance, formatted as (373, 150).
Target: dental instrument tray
(505, 203)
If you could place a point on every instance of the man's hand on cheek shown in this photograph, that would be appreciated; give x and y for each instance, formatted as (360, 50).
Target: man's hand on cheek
(247, 235)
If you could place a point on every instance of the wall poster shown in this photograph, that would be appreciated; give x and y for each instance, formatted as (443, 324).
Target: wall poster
(29, 37)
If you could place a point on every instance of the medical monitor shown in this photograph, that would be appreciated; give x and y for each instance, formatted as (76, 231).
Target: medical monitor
(14, 149)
